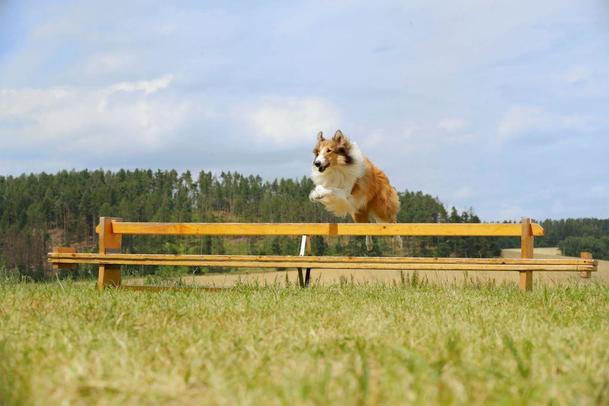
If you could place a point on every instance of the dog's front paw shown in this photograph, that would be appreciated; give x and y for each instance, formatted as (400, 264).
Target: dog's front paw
(317, 194)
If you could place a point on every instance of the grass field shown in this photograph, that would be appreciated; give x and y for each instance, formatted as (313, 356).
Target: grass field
(344, 344)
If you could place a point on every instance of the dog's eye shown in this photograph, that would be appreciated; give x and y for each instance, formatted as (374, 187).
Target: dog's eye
(329, 151)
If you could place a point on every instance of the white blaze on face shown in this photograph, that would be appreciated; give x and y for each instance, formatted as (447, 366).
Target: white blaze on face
(320, 159)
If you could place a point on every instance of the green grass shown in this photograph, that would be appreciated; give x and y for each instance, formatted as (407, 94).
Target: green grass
(275, 345)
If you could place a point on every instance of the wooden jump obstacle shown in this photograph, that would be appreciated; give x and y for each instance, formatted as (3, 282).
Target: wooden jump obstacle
(110, 231)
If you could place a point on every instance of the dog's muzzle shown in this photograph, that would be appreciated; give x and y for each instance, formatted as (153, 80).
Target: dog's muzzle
(319, 166)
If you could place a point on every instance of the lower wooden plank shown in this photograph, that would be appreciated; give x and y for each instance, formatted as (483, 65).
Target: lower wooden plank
(60, 257)
(340, 265)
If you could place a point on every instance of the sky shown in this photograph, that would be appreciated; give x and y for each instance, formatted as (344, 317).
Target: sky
(499, 106)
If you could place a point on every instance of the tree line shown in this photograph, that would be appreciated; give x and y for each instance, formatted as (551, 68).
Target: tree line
(39, 211)
(573, 236)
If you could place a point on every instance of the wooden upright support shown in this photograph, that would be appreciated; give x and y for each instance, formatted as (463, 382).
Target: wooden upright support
(526, 251)
(585, 274)
(109, 242)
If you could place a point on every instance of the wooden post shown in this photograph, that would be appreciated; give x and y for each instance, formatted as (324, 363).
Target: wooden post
(585, 274)
(526, 251)
(63, 250)
(308, 251)
(109, 275)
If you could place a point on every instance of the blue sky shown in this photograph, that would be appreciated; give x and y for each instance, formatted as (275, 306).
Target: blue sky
(500, 106)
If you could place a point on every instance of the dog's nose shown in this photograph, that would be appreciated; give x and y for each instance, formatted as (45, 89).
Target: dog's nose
(317, 163)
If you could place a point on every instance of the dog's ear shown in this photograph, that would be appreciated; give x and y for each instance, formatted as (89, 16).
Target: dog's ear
(339, 137)
(320, 136)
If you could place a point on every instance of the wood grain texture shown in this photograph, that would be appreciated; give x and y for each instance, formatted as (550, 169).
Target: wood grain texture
(58, 266)
(323, 229)
(109, 275)
(588, 256)
(108, 239)
(60, 257)
(526, 251)
(245, 261)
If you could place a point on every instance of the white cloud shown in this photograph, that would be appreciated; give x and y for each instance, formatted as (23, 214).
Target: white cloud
(510, 212)
(464, 193)
(599, 192)
(146, 86)
(452, 124)
(519, 119)
(108, 63)
(373, 139)
(534, 121)
(290, 120)
(425, 133)
(557, 207)
(121, 115)
(576, 74)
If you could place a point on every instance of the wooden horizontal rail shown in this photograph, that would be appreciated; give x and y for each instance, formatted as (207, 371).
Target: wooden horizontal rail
(59, 257)
(251, 261)
(325, 229)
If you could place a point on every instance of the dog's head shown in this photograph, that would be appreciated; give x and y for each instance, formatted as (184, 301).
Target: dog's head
(332, 152)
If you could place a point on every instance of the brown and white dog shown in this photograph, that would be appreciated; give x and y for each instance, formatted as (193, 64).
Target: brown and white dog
(348, 183)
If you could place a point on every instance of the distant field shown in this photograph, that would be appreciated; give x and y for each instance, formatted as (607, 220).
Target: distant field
(411, 343)
(330, 276)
